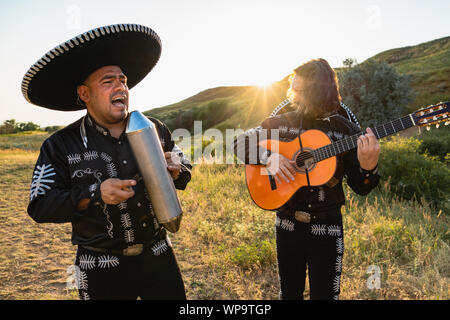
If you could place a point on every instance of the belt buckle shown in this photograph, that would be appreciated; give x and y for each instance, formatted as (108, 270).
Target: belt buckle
(302, 216)
(133, 250)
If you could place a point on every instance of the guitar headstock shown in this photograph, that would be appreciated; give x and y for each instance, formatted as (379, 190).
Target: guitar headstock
(434, 114)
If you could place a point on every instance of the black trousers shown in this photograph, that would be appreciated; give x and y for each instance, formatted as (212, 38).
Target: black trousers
(317, 248)
(154, 274)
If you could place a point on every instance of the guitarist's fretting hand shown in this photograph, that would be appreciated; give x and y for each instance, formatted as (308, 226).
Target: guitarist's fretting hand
(281, 167)
(368, 150)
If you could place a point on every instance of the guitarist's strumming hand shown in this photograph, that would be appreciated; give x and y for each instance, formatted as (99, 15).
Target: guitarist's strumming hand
(368, 150)
(281, 167)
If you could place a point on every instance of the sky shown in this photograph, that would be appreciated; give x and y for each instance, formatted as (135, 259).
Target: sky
(211, 43)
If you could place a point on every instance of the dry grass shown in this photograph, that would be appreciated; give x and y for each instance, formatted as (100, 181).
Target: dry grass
(226, 247)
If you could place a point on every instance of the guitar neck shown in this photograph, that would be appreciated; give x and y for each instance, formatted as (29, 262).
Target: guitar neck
(350, 142)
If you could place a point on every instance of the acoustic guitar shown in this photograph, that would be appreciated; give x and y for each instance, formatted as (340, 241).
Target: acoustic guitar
(315, 156)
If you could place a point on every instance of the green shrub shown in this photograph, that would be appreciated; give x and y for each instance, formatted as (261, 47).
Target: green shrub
(414, 175)
(374, 91)
(436, 143)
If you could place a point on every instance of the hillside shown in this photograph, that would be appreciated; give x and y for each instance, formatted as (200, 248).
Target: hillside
(223, 107)
(428, 64)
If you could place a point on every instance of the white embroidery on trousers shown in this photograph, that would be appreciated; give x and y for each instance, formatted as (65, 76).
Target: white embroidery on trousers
(339, 246)
(107, 261)
(284, 224)
(318, 229)
(337, 283)
(87, 262)
(334, 230)
(160, 247)
(338, 264)
(82, 280)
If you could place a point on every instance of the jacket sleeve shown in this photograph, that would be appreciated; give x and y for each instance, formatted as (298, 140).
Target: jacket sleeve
(246, 146)
(361, 181)
(169, 146)
(52, 199)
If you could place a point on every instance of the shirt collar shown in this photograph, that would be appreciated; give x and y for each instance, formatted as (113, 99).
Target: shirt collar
(93, 124)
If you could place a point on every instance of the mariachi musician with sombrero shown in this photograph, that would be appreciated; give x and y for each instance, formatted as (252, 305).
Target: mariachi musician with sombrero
(86, 173)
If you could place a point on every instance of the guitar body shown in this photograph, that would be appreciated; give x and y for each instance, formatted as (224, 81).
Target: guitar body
(316, 167)
(269, 194)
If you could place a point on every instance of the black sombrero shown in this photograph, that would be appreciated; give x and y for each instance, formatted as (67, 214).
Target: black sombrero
(52, 81)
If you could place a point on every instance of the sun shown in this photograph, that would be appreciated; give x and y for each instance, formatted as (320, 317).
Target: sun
(266, 84)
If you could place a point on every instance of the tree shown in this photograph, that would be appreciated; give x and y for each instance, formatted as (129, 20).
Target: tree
(8, 126)
(28, 126)
(374, 91)
(12, 126)
(349, 62)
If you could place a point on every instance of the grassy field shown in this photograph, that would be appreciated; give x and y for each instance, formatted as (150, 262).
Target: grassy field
(226, 247)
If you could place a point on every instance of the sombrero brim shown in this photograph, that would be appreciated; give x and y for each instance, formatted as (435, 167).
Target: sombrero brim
(52, 81)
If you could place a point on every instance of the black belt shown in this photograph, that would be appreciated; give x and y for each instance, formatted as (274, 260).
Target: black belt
(308, 217)
(133, 250)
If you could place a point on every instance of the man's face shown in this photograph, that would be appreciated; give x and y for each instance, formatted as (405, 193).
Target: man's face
(105, 93)
(297, 88)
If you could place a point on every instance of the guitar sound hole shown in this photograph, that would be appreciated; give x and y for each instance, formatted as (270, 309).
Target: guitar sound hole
(304, 160)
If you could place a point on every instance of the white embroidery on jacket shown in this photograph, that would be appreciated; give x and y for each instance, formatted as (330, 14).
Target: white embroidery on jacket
(321, 194)
(40, 180)
(81, 172)
(111, 169)
(126, 220)
(122, 206)
(129, 235)
(73, 158)
(105, 157)
(90, 155)
(93, 187)
(109, 226)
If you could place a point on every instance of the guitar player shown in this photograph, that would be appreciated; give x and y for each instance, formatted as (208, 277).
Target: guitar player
(309, 232)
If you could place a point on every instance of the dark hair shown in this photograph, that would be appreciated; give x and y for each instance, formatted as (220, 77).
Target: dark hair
(321, 89)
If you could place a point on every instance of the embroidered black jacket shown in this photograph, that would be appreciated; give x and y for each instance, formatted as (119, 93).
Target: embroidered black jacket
(292, 124)
(68, 171)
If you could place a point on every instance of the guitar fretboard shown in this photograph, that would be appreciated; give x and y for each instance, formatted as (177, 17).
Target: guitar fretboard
(350, 142)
